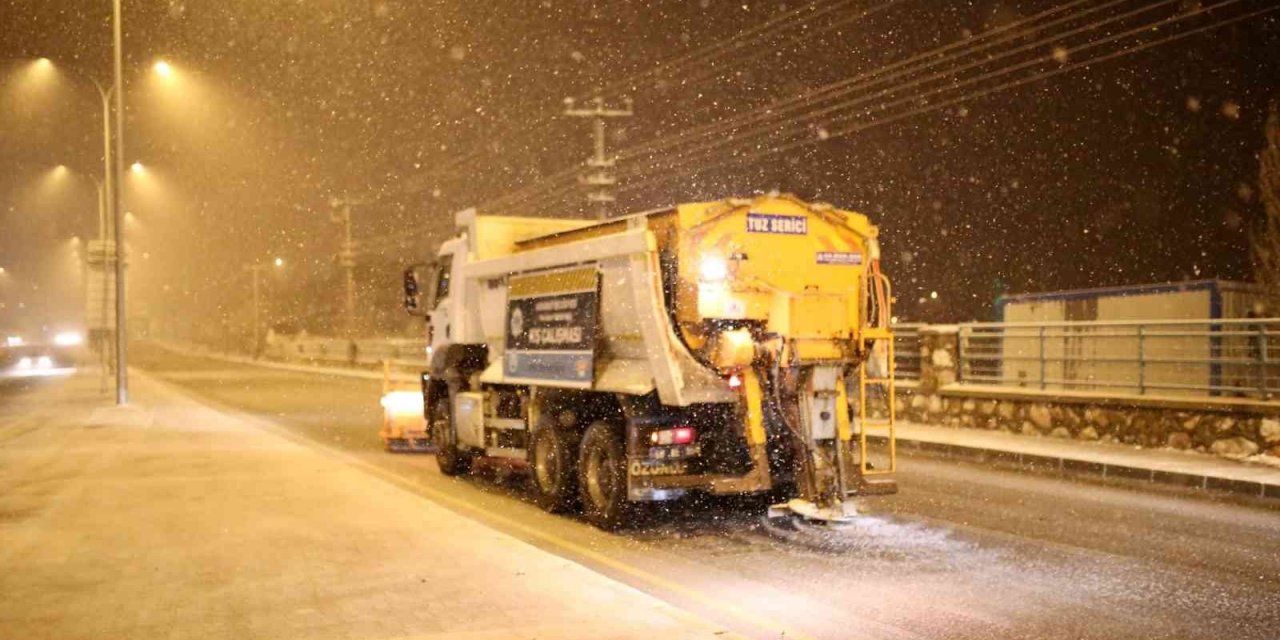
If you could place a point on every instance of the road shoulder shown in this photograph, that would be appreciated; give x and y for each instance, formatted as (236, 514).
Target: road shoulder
(174, 519)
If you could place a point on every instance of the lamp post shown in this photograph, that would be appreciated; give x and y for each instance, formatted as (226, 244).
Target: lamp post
(114, 170)
(122, 376)
(256, 269)
(96, 260)
(109, 225)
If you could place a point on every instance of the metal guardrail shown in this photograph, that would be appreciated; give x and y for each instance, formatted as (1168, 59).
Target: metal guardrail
(1235, 357)
(906, 351)
(407, 352)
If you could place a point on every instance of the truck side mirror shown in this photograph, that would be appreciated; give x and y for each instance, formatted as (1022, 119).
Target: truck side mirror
(415, 301)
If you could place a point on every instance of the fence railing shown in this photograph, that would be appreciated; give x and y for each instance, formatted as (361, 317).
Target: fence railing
(1168, 357)
(412, 352)
(906, 351)
(341, 351)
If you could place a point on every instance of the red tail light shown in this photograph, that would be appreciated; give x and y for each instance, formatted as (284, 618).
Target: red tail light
(677, 435)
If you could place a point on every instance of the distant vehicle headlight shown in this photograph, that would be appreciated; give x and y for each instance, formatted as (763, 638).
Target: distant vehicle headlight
(406, 403)
(25, 363)
(68, 339)
(14, 341)
(44, 362)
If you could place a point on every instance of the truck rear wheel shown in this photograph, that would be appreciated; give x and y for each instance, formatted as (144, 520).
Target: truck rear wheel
(602, 477)
(451, 461)
(555, 469)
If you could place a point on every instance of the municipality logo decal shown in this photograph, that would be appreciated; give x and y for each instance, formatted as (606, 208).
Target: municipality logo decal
(517, 322)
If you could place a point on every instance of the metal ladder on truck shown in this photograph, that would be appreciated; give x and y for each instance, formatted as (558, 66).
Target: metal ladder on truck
(877, 423)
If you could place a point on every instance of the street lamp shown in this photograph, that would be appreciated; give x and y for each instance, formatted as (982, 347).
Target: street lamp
(163, 69)
(109, 198)
(98, 184)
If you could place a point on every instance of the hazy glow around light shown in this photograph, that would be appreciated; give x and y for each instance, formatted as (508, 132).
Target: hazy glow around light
(42, 68)
(68, 339)
(713, 269)
(164, 69)
(279, 262)
(137, 167)
(402, 403)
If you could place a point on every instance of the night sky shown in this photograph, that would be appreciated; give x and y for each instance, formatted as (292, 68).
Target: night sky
(1137, 169)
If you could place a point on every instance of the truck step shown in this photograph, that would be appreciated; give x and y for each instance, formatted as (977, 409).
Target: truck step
(875, 486)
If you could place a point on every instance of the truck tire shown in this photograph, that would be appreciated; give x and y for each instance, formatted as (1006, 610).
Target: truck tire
(449, 458)
(554, 469)
(602, 477)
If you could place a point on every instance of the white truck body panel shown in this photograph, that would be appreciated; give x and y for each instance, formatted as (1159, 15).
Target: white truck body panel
(638, 350)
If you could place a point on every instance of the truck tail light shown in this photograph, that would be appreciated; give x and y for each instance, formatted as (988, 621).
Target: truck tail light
(682, 435)
(677, 435)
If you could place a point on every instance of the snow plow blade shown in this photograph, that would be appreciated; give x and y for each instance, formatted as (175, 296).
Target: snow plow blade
(842, 512)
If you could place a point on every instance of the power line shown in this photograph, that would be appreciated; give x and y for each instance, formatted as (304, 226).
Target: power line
(531, 190)
(711, 50)
(857, 82)
(711, 71)
(972, 45)
(1006, 85)
(799, 124)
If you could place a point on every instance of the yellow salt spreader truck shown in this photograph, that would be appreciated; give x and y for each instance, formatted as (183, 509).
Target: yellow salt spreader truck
(714, 347)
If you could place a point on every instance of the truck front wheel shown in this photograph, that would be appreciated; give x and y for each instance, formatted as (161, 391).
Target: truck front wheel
(555, 467)
(602, 477)
(451, 461)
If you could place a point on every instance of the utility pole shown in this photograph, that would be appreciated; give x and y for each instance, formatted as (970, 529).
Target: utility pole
(256, 269)
(600, 182)
(347, 258)
(257, 307)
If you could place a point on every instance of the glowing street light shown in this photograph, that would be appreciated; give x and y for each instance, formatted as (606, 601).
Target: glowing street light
(62, 171)
(113, 149)
(137, 167)
(279, 262)
(163, 69)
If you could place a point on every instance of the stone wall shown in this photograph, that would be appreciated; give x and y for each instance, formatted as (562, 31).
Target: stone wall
(1227, 427)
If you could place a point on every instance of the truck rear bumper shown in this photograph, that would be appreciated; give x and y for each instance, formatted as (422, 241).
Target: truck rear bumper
(643, 484)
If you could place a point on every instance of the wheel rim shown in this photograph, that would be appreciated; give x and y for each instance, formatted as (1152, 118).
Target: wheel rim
(601, 483)
(545, 464)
